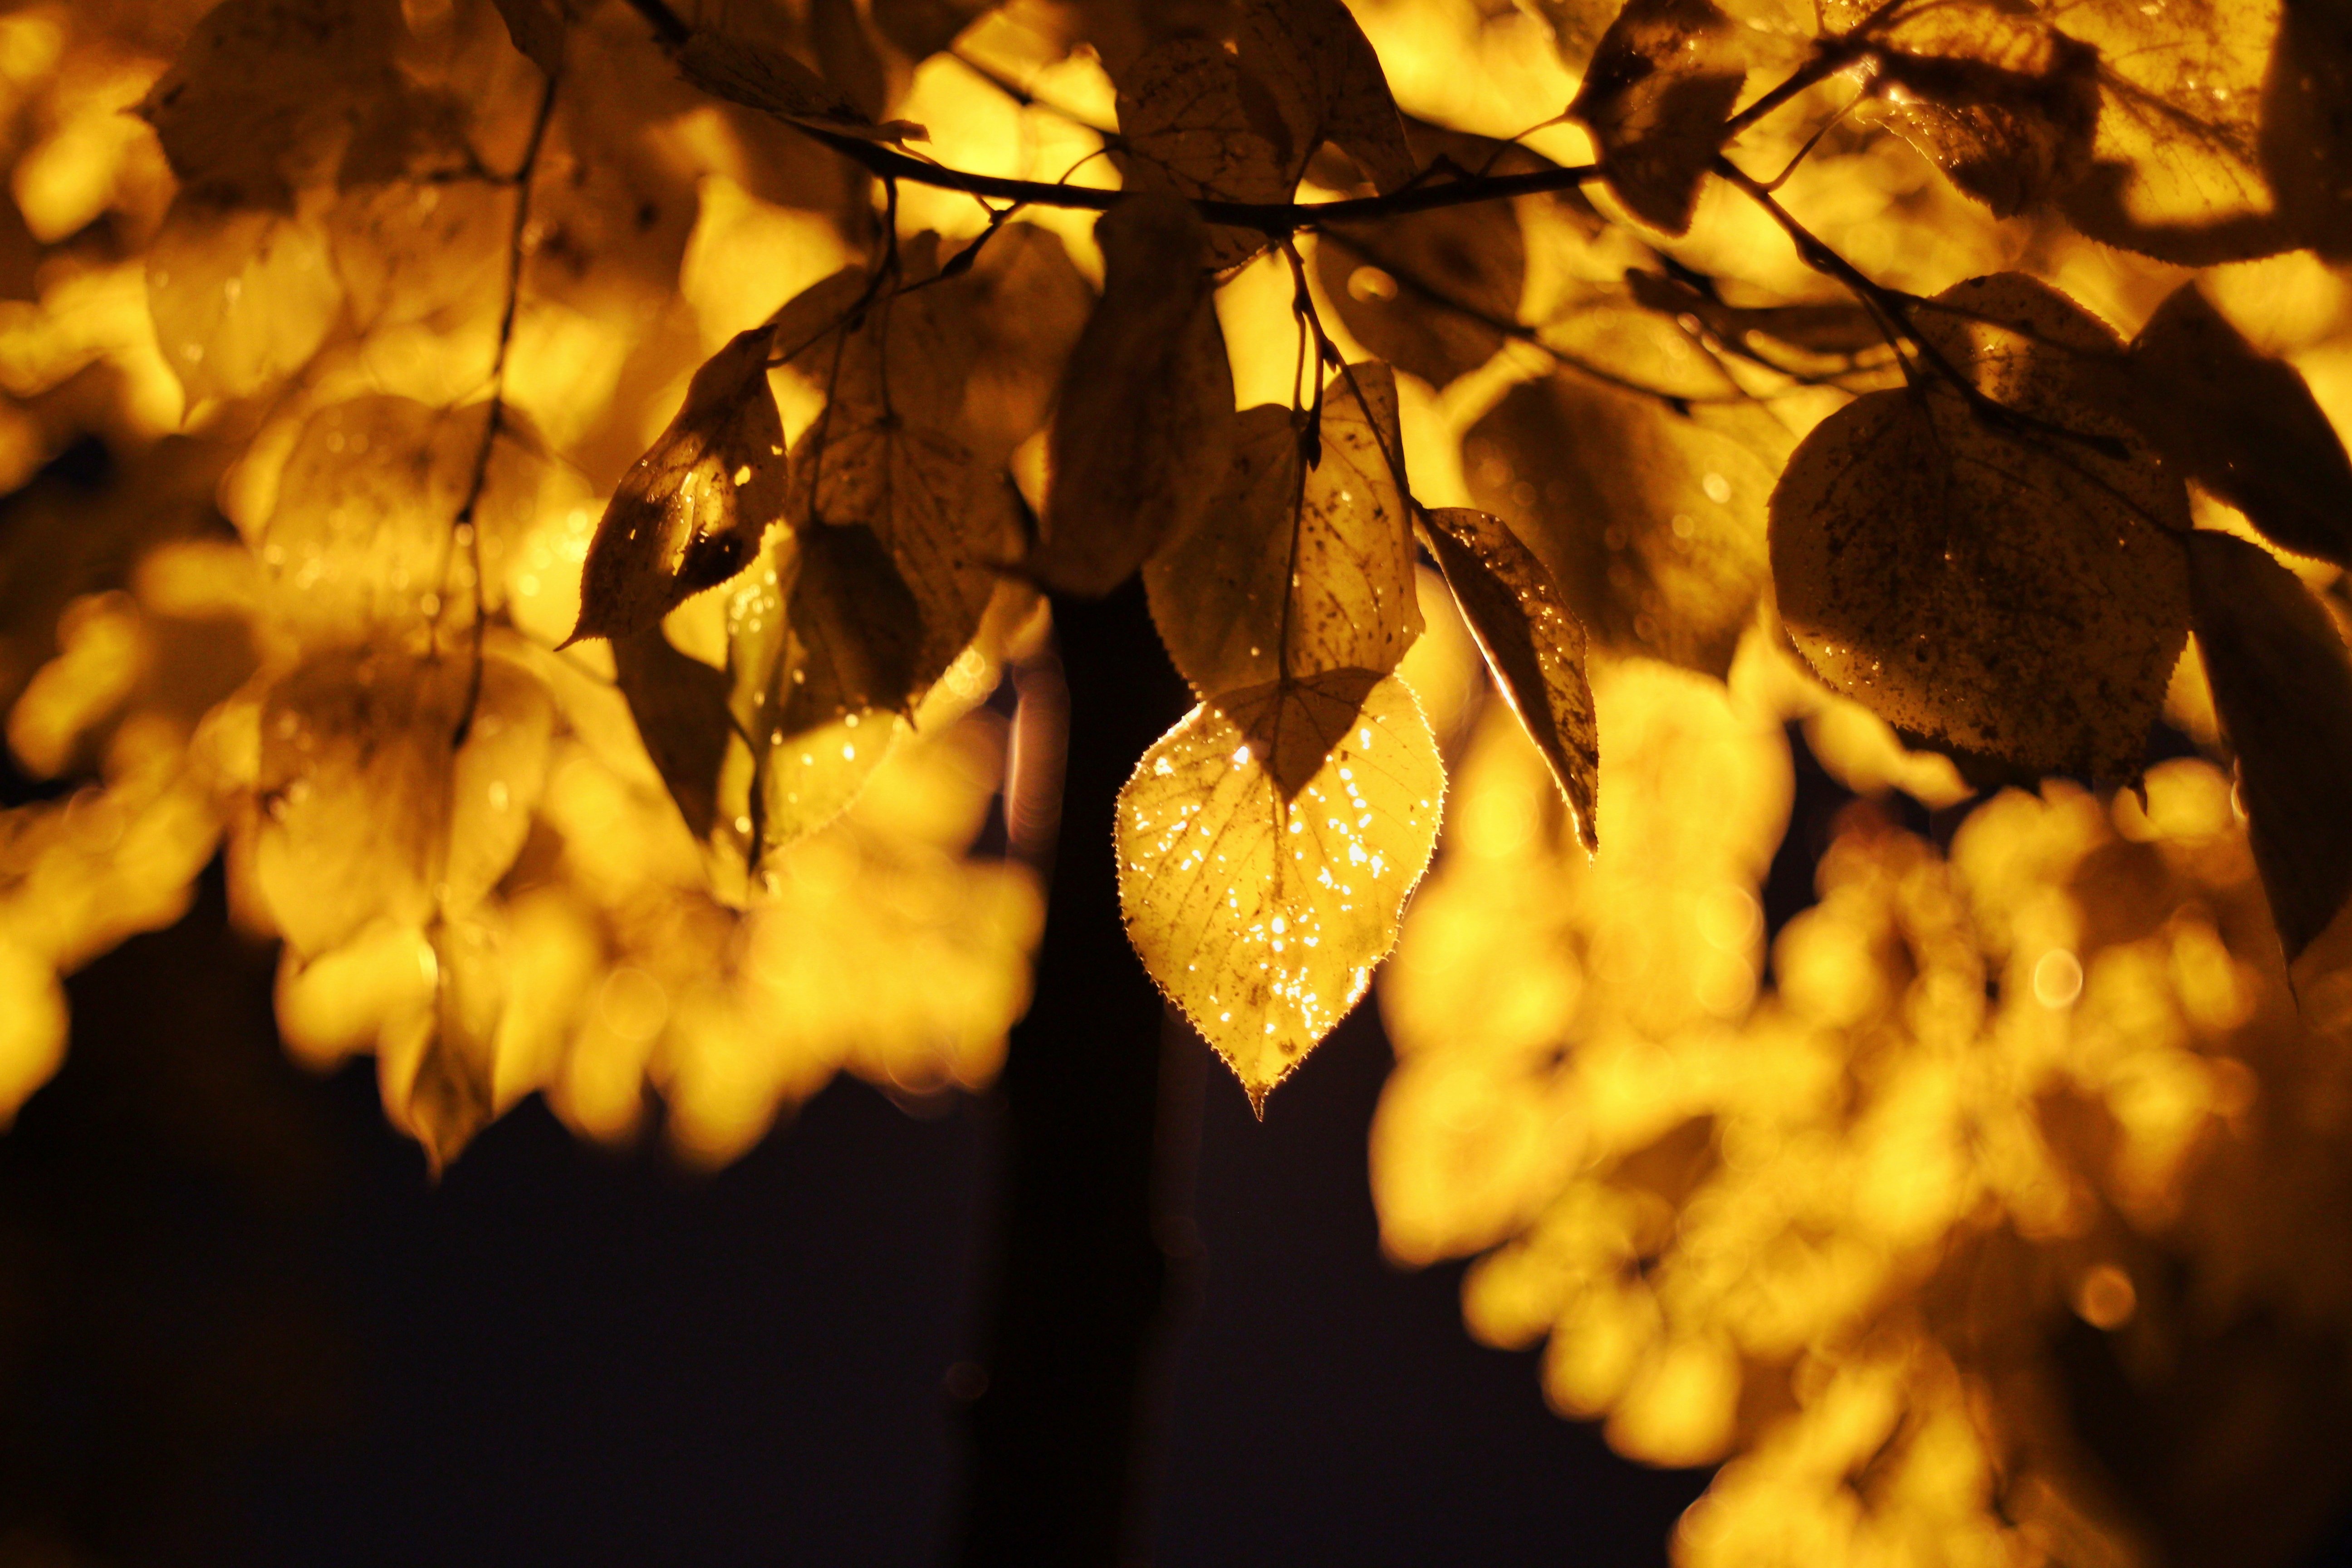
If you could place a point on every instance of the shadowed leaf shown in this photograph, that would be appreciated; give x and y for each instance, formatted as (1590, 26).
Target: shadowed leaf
(1396, 285)
(1663, 80)
(1266, 846)
(539, 30)
(1297, 570)
(1144, 432)
(761, 77)
(1532, 642)
(2242, 424)
(680, 707)
(1185, 116)
(2282, 683)
(690, 513)
(1327, 83)
(2003, 584)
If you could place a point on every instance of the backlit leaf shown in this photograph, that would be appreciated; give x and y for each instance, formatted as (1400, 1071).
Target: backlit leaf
(1652, 523)
(680, 707)
(1185, 116)
(690, 513)
(242, 298)
(1297, 570)
(1532, 642)
(2007, 585)
(451, 1087)
(1266, 846)
(2283, 682)
(1394, 284)
(759, 76)
(1144, 432)
(2242, 424)
(1327, 84)
(908, 355)
(1661, 83)
(1020, 309)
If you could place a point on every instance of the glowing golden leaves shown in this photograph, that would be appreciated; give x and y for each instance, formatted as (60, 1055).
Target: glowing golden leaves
(1266, 846)
(2006, 580)
(1661, 83)
(1535, 646)
(2282, 683)
(1299, 567)
(1144, 433)
(691, 511)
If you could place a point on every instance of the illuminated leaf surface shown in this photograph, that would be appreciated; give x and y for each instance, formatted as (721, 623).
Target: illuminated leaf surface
(240, 297)
(1652, 523)
(1661, 83)
(1327, 83)
(1144, 433)
(2006, 587)
(1297, 570)
(690, 513)
(452, 1087)
(1266, 846)
(2283, 682)
(2244, 425)
(1533, 643)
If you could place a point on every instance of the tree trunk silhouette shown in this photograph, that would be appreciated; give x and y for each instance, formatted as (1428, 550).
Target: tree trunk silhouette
(1060, 1451)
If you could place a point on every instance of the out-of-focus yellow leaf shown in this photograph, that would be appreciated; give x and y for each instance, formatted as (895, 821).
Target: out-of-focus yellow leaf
(1535, 646)
(1652, 522)
(1661, 83)
(32, 1026)
(241, 297)
(1266, 846)
(2010, 585)
(1327, 85)
(1297, 569)
(450, 1092)
(2283, 684)
(1145, 429)
(690, 513)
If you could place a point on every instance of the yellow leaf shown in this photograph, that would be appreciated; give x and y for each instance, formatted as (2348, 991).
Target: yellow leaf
(1297, 569)
(2008, 583)
(1266, 846)
(1144, 432)
(32, 1026)
(1532, 641)
(242, 296)
(690, 513)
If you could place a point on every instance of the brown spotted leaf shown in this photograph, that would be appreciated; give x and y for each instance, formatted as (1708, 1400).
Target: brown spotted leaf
(2010, 585)
(1185, 116)
(690, 513)
(1652, 523)
(1144, 433)
(2283, 684)
(1297, 569)
(2244, 425)
(1266, 846)
(1661, 84)
(1532, 641)
(1327, 83)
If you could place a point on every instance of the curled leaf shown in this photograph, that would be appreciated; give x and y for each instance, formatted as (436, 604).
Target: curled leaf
(1266, 846)
(1533, 643)
(1297, 569)
(1661, 83)
(2005, 580)
(1144, 433)
(2282, 683)
(2244, 425)
(690, 513)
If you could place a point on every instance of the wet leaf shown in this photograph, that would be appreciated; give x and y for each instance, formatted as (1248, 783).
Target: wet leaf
(2282, 683)
(761, 77)
(1144, 433)
(690, 513)
(1533, 643)
(2244, 425)
(1184, 113)
(1430, 292)
(1327, 83)
(1297, 570)
(1266, 846)
(261, 96)
(1661, 83)
(241, 297)
(1652, 523)
(2002, 103)
(2009, 586)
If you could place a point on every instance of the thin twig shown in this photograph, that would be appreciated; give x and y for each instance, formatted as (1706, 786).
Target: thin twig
(466, 522)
